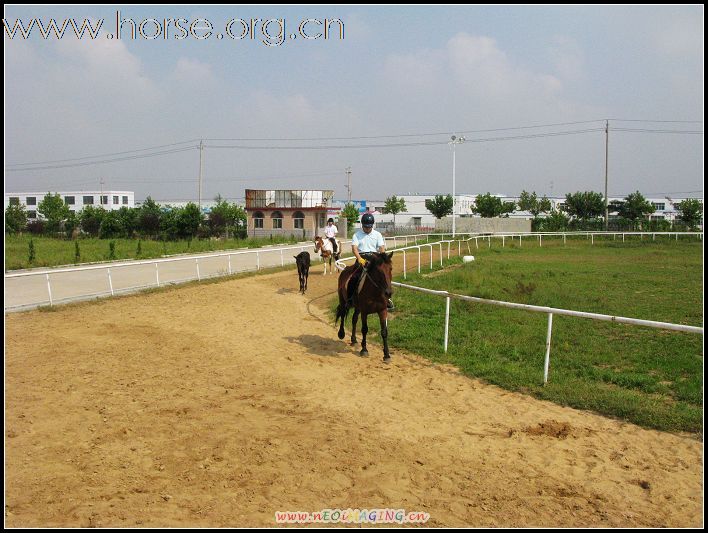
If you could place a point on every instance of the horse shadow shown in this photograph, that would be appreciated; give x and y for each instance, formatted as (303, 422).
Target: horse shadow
(317, 345)
(285, 290)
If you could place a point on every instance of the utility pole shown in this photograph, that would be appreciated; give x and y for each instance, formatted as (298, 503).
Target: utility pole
(607, 144)
(201, 149)
(348, 170)
(454, 140)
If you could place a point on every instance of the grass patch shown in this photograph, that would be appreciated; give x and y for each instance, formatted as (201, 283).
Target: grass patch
(51, 252)
(644, 375)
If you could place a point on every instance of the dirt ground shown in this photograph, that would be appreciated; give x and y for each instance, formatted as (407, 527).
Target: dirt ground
(219, 404)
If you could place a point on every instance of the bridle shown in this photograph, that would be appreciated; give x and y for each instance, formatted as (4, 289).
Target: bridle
(373, 281)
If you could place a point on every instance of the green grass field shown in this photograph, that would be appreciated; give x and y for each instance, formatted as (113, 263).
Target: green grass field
(54, 252)
(647, 376)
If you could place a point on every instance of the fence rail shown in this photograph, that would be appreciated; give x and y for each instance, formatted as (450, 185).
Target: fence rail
(439, 241)
(550, 311)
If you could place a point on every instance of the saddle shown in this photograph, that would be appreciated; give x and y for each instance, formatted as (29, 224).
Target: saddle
(356, 282)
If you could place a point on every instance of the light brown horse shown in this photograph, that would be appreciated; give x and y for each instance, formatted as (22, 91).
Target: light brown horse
(373, 298)
(327, 253)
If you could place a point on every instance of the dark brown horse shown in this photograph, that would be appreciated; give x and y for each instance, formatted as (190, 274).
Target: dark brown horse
(302, 260)
(373, 298)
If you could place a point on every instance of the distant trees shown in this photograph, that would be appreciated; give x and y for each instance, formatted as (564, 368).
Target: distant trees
(488, 206)
(531, 203)
(226, 218)
(90, 219)
(394, 206)
(690, 212)
(440, 206)
(634, 208)
(54, 211)
(351, 213)
(15, 219)
(584, 206)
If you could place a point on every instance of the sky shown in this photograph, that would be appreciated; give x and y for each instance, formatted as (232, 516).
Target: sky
(528, 87)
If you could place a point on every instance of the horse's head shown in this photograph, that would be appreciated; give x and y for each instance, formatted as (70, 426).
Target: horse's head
(318, 243)
(381, 267)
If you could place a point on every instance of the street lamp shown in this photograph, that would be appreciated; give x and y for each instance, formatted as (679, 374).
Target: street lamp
(453, 141)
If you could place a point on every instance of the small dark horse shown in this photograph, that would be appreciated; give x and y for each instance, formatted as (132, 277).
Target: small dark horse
(302, 260)
(373, 298)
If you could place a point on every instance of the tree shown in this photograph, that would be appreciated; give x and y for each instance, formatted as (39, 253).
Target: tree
(440, 206)
(128, 220)
(351, 213)
(555, 221)
(54, 210)
(691, 212)
(189, 219)
(584, 205)
(90, 218)
(225, 216)
(149, 217)
(70, 224)
(110, 225)
(634, 207)
(15, 218)
(488, 206)
(394, 206)
(530, 202)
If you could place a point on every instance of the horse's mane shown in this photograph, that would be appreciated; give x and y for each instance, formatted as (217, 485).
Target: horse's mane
(380, 258)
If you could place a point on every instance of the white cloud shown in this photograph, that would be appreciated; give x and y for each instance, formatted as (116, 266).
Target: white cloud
(192, 70)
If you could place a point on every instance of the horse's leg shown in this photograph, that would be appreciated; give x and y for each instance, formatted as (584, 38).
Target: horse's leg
(354, 319)
(383, 320)
(341, 314)
(364, 329)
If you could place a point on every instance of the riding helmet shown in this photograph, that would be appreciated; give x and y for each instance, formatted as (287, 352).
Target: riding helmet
(367, 220)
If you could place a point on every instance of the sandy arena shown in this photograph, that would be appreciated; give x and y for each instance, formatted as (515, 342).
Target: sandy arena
(219, 404)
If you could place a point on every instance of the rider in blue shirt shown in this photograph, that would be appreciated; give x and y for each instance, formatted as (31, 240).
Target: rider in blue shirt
(366, 242)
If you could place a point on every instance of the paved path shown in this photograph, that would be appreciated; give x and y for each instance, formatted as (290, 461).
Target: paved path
(68, 284)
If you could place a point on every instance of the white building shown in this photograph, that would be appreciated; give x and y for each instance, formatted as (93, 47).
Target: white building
(417, 215)
(76, 200)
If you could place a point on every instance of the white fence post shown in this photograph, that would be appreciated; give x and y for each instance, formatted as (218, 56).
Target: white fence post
(110, 282)
(592, 239)
(258, 261)
(548, 349)
(49, 290)
(431, 256)
(441, 259)
(281, 258)
(198, 275)
(157, 275)
(476, 243)
(447, 320)
(448, 249)
(503, 242)
(229, 264)
(489, 241)
(418, 259)
(404, 265)
(563, 239)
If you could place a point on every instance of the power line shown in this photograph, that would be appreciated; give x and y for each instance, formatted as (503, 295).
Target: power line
(76, 161)
(645, 130)
(129, 158)
(99, 155)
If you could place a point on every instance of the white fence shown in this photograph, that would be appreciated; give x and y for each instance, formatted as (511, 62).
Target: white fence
(207, 266)
(165, 272)
(533, 308)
